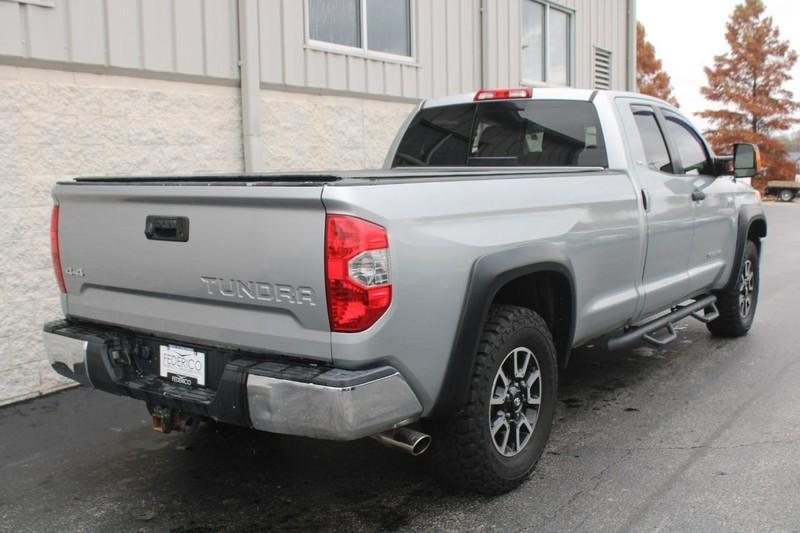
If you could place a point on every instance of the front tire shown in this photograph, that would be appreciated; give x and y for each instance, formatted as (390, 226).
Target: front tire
(737, 304)
(786, 195)
(494, 442)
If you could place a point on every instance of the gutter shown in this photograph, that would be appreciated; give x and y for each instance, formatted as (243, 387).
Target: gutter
(250, 76)
(483, 31)
(631, 52)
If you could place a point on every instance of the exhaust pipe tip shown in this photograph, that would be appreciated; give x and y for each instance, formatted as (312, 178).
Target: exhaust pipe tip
(406, 440)
(421, 445)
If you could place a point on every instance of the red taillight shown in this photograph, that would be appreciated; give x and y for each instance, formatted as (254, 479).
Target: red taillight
(503, 94)
(55, 251)
(357, 281)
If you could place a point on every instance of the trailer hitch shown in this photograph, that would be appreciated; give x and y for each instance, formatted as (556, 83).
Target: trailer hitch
(166, 420)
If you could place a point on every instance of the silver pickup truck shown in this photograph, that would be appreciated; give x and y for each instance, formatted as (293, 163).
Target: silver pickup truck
(431, 302)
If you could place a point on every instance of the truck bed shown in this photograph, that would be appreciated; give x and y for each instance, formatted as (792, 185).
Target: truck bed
(250, 273)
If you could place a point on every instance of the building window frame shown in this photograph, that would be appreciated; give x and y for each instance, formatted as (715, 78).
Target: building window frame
(40, 3)
(547, 6)
(363, 51)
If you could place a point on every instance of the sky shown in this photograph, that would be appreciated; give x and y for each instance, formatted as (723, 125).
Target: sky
(687, 34)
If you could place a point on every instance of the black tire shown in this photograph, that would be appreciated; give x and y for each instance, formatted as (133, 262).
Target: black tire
(465, 453)
(733, 321)
(786, 195)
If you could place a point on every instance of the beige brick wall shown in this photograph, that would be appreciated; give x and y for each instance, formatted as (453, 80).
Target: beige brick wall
(56, 125)
(315, 132)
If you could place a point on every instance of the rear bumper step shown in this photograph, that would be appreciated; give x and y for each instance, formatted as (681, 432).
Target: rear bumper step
(276, 396)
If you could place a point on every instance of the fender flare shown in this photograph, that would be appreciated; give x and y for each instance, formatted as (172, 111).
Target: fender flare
(749, 215)
(489, 274)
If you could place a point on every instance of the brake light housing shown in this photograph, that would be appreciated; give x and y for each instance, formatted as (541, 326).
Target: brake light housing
(503, 94)
(55, 250)
(357, 273)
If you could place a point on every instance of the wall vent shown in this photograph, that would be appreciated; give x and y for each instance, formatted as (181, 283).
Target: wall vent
(602, 68)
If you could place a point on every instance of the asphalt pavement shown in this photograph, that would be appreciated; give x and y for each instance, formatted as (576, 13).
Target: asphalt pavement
(702, 435)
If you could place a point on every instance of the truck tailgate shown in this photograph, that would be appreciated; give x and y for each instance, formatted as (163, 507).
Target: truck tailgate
(248, 271)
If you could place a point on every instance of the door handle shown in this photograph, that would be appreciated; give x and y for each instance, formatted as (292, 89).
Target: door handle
(645, 200)
(158, 228)
(698, 196)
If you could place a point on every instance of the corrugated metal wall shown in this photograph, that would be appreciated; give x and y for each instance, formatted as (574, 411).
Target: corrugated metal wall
(192, 37)
(447, 62)
(200, 38)
(596, 23)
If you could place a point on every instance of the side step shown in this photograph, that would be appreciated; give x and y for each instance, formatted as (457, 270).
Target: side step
(703, 309)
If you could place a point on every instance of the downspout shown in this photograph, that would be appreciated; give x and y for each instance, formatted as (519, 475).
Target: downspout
(631, 71)
(250, 76)
(483, 30)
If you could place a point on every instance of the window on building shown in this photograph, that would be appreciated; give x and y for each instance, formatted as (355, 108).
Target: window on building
(335, 21)
(546, 43)
(694, 156)
(382, 26)
(389, 26)
(655, 147)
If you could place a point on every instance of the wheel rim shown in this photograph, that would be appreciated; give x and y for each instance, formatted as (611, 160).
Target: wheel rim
(786, 196)
(747, 287)
(514, 402)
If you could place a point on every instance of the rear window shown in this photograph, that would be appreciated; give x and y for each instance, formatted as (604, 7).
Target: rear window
(505, 133)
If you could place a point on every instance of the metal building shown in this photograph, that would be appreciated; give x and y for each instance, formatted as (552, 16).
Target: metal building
(180, 86)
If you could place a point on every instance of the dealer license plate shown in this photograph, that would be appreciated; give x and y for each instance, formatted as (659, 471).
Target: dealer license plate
(183, 365)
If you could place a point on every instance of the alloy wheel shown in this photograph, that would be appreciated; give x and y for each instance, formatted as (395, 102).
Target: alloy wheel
(516, 398)
(747, 287)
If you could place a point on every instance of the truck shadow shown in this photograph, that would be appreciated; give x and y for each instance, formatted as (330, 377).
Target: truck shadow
(240, 480)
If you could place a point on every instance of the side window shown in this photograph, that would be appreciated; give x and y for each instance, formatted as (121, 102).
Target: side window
(693, 152)
(438, 136)
(655, 147)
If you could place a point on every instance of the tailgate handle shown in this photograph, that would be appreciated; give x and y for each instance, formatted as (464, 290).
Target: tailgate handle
(158, 228)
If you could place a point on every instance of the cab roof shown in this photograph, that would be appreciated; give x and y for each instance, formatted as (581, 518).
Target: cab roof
(541, 93)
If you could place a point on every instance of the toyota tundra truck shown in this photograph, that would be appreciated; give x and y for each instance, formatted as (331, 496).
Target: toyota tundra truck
(430, 302)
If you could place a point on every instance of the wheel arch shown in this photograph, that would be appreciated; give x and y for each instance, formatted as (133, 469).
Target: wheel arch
(493, 276)
(752, 225)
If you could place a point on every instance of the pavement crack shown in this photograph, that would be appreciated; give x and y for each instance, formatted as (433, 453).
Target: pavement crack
(793, 440)
(597, 478)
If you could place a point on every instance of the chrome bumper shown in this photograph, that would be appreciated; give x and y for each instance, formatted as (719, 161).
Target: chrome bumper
(67, 356)
(336, 404)
(289, 398)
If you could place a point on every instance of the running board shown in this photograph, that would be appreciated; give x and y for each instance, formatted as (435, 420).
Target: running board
(703, 309)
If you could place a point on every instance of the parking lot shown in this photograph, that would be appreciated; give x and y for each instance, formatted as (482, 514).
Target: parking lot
(701, 435)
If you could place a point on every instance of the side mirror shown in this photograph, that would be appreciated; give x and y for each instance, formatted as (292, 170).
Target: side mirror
(746, 160)
(723, 165)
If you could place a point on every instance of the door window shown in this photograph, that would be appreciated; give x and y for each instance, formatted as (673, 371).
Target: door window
(655, 147)
(689, 145)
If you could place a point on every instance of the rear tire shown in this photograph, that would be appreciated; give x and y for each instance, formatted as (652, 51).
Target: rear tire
(737, 304)
(494, 442)
(786, 195)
